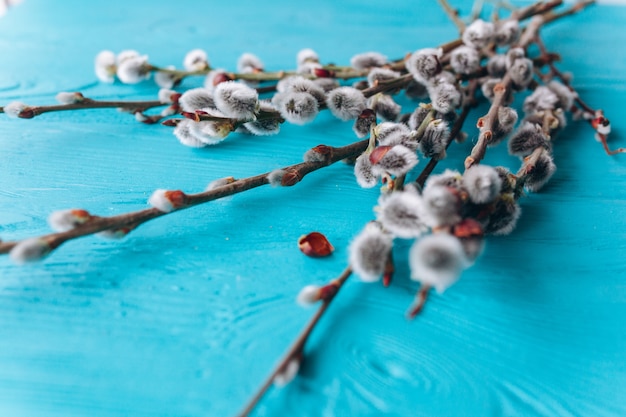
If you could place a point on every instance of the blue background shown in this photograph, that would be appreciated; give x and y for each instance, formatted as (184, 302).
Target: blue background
(187, 315)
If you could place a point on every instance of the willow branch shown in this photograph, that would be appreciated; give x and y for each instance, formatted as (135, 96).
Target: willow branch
(132, 220)
(296, 349)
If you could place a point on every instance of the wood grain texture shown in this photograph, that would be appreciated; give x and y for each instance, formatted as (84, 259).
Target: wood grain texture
(189, 313)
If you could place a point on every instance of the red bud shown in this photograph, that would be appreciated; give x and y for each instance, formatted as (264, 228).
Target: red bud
(315, 245)
(467, 228)
(176, 197)
(323, 73)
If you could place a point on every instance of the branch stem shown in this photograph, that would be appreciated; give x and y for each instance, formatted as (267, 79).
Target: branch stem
(297, 347)
(133, 219)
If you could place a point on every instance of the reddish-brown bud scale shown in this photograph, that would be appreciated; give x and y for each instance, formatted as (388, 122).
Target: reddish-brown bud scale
(323, 73)
(193, 116)
(170, 122)
(367, 114)
(177, 198)
(175, 97)
(82, 215)
(328, 291)
(221, 78)
(467, 228)
(27, 113)
(291, 177)
(378, 153)
(315, 245)
(324, 150)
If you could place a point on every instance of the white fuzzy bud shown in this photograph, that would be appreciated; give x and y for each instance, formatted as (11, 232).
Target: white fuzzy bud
(441, 205)
(133, 70)
(381, 75)
(211, 132)
(496, 66)
(165, 96)
(396, 161)
(69, 98)
(64, 220)
(506, 32)
(437, 260)
(196, 60)
(368, 60)
(346, 103)
(126, 55)
(182, 131)
(327, 84)
(541, 173)
(288, 374)
(297, 108)
(308, 295)
(424, 64)
(265, 127)
(448, 178)
(236, 100)
(369, 252)
(302, 85)
(390, 134)
(166, 200)
(465, 60)
(543, 98)
(385, 107)
(364, 173)
(482, 182)
(565, 95)
(507, 117)
(15, 108)
(308, 68)
(105, 66)
(165, 79)
(306, 55)
(401, 214)
(248, 63)
(220, 182)
(521, 72)
(479, 34)
(196, 98)
(275, 178)
(30, 250)
(503, 216)
(444, 97)
(526, 139)
(435, 139)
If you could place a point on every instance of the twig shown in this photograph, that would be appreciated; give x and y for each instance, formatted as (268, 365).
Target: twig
(86, 103)
(454, 132)
(297, 347)
(132, 220)
(487, 123)
(594, 116)
(453, 14)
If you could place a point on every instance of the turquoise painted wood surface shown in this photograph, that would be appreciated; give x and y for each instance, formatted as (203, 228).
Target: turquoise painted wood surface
(187, 315)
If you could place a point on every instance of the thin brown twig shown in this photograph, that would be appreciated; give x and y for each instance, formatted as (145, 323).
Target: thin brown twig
(593, 115)
(453, 14)
(501, 90)
(131, 220)
(32, 111)
(297, 347)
